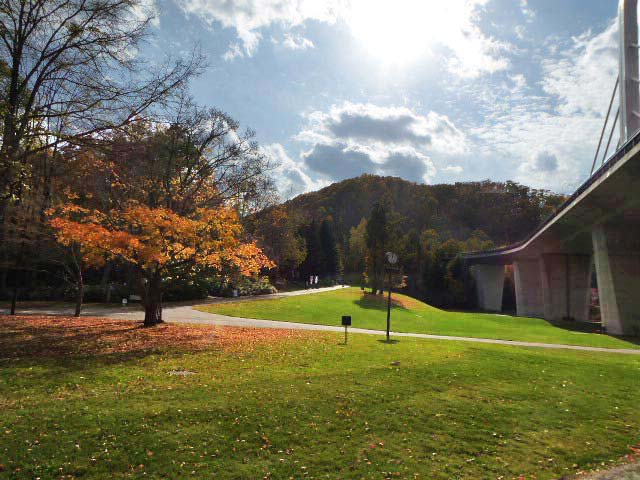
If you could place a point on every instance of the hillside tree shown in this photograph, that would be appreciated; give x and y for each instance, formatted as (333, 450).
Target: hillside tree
(377, 241)
(330, 254)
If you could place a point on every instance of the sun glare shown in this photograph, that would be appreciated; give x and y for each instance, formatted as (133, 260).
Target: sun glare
(401, 31)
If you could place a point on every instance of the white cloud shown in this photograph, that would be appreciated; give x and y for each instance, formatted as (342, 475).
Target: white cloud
(235, 51)
(355, 138)
(403, 30)
(454, 169)
(365, 123)
(289, 175)
(528, 13)
(296, 42)
(248, 17)
(519, 82)
(475, 54)
(584, 74)
(391, 30)
(531, 134)
(144, 9)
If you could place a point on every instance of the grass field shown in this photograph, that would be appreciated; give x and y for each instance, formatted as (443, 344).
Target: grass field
(411, 315)
(95, 398)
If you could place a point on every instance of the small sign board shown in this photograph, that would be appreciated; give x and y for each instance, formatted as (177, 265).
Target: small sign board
(346, 323)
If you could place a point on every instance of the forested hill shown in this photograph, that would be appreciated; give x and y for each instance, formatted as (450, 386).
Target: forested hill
(506, 212)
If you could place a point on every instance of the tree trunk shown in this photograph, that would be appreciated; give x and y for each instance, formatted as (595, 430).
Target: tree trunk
(105, 284)
(79, 296)
(152, 298)
(4, 273)
(14, 299)
(152, 313)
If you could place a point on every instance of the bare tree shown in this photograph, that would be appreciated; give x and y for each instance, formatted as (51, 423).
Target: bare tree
(191, 155)
(70, 71)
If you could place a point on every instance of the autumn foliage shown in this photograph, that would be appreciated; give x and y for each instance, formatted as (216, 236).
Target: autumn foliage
(159, 238)
(156, 240)
(164, 203)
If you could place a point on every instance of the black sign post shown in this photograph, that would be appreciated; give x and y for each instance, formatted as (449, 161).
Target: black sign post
(392, 258)
(346, 322)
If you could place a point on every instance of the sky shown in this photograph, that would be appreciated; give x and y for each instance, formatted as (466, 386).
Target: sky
(428, 90)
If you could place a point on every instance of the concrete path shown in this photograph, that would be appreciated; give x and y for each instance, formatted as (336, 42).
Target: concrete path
(186, 314)
(624, 472)
(134, 310)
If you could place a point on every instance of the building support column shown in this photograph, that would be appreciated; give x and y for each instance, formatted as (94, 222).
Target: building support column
(618, 273)
(566, 283)
(489, 286)
(527, 275)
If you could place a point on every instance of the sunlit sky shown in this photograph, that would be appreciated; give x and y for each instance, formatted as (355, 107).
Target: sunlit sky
(431, 91)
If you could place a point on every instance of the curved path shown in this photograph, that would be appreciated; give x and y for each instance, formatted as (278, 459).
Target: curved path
(189, 315)
(181, 313)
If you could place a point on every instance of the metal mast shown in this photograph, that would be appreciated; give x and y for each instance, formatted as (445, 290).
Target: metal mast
(629, 75)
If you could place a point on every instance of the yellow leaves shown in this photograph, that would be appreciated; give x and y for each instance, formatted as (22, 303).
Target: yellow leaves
(279, 216)
(159, 237)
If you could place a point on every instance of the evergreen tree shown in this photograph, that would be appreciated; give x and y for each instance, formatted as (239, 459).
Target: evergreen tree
(312, 265)
(357, 248)
(377, 240)
(330, 257)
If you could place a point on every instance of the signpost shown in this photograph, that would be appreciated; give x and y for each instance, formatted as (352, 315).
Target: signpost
(346, 322)
(392, 258)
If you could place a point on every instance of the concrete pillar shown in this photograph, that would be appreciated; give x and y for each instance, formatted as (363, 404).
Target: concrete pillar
(527, 275)
(566, 283)
(489, 285)
(618, 273)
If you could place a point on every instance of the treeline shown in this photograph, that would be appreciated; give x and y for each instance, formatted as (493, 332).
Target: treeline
(426, 226)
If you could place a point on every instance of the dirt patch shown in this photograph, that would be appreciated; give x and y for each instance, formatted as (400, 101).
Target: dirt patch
(51, 336)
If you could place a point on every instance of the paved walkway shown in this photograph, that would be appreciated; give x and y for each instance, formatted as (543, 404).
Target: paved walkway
(186, 314)
(624, 472)
(134, 310)
(189, 315)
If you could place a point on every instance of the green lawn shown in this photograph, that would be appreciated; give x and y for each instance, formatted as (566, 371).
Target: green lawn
(312, 408)
(412, 316)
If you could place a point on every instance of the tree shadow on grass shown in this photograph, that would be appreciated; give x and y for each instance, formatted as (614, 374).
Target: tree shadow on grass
(378, 302)
(591, 328)
(568, 325)
(109, 341)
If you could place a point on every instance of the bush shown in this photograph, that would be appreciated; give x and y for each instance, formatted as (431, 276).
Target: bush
(251, 286)
(45, 292)
(187, 290)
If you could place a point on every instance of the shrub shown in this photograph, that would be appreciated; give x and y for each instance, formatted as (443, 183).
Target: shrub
(187, 290)
(251, 286)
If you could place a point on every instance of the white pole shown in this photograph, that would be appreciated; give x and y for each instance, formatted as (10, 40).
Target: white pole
(629, 76)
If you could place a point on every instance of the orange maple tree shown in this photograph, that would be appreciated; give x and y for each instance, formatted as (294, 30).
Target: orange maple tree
(164, 198)
(158, 240)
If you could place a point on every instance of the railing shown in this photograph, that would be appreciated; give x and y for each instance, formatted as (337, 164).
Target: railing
(604, 168)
